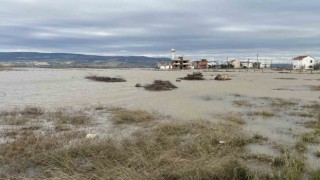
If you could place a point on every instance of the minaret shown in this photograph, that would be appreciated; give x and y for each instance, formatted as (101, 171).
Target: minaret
(173, 54)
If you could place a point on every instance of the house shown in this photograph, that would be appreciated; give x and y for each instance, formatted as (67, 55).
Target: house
(235, 63)
(246, 64)
(265, 65)
(164, 65)
(182, 63)
(213, 64)
(202, 64)
(303, 62)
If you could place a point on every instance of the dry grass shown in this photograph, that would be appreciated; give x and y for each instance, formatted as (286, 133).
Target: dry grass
(241, 103)
(317, 154)
(280, 103)
(165, 150)
(177, 150)
(286, 166)
(123, 116)
(310, 138)
(77, 118)
(19, 117)
(257, 138)
(314, 88)
(261, 113)
(105, 79)
(237, 95)
(287, 78)
(300, 146)
(301, 114)
(236, 118)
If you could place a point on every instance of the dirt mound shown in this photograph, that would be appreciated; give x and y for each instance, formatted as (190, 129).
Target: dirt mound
(159, 85)
(105, 79)
(222, 77)
(194, 76)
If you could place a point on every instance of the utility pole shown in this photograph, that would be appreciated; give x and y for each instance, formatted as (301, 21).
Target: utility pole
(258, 61)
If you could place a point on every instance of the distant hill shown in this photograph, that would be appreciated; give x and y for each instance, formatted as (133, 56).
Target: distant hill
(80, 59)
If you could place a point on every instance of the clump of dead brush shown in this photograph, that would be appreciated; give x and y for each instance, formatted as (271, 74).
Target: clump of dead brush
(159, 85)
(105, 79)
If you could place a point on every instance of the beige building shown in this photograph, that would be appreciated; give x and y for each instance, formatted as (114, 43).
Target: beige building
(182, 63)
(235, 63)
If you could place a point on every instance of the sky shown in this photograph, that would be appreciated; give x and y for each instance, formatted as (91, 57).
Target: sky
(196, 28)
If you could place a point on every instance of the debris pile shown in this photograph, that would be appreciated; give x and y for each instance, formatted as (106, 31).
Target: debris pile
(105, 79)
(138, 85)
(159, 85)
(194, 76)
(222, 77)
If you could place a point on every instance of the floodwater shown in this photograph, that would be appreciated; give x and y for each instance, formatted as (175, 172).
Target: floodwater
(208, 99)
(51, 88)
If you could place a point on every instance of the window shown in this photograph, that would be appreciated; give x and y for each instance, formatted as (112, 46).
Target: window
(311, 61)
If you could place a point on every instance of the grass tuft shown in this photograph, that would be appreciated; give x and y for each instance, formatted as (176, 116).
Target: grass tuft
(123, 116)
(236, 118)
(261, 113)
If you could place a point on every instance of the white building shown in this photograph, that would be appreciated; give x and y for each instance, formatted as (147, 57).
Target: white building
(246, 64)
(265, 65)
(164, 65)
(303, 62)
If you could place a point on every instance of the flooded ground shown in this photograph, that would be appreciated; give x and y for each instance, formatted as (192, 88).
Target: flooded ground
(56, 88)
(268, 102)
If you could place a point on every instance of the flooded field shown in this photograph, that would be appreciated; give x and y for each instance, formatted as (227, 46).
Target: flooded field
(277, 109)
(51, 88)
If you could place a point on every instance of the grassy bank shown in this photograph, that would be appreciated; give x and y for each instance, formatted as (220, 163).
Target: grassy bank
(157, 149)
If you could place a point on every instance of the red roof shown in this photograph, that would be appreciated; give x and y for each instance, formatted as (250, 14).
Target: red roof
(300, 58)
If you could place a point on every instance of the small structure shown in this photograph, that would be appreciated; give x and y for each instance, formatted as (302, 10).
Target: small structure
(235, 63)
(303, 62)
(164, 65)
(182, 63)
(246, 64)
(202, 64)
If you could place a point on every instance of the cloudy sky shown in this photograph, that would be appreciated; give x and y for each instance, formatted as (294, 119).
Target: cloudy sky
(153, 27)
